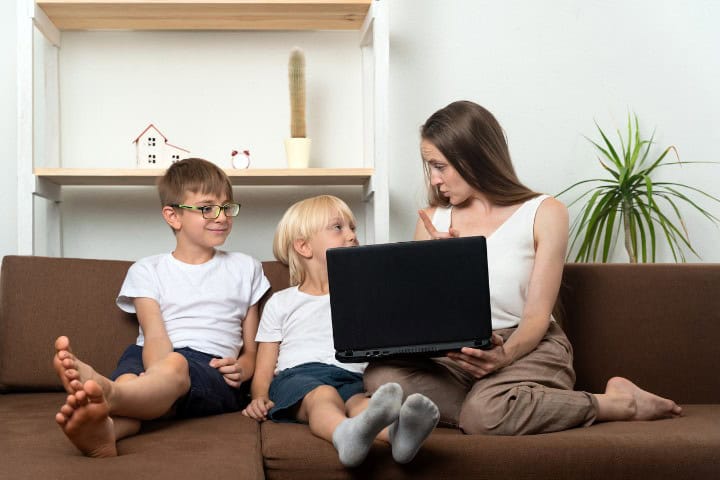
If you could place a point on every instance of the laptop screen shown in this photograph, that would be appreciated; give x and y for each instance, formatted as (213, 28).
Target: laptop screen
(409, 293)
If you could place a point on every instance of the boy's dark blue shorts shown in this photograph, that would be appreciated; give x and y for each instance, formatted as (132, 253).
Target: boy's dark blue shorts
(290, 386)
(208, 395)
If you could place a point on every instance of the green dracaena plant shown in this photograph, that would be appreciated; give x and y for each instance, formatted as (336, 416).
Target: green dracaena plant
(629, 199)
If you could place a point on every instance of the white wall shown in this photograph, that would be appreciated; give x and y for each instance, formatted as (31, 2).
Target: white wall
(8, 128)
(547, 70)
(209, 92)
(125, 223)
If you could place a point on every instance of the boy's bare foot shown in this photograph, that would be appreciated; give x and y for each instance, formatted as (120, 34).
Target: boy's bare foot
(85, 420)
(639, 404)
(72, 372)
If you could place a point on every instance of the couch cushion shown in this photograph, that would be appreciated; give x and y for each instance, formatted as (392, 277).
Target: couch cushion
(278, 274)
(656, 324)
(687, 447)
(42, 298)
(33, 446)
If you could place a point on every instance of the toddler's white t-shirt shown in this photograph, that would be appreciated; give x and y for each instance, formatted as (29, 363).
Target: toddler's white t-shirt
(303, 326)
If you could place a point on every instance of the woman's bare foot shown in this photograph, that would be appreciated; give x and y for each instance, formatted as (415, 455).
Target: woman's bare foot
(86, 421)
(623, 400)
(72, 372)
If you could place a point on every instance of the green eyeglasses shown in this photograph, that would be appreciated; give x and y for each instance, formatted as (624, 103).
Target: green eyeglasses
(211, 212)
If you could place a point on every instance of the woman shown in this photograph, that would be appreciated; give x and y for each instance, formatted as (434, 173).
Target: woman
(524, 384)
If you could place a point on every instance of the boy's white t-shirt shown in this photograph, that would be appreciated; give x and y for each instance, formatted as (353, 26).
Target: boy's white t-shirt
(303, 326)
(203, 306)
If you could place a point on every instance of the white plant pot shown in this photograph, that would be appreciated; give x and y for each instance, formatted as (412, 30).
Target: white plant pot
(298, 152)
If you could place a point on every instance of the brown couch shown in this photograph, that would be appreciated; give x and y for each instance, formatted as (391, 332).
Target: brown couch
(657, 324)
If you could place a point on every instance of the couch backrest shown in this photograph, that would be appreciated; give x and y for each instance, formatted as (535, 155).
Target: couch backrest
(42, 298)
(657, 324)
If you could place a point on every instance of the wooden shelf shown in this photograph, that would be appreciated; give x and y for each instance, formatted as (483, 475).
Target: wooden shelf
(142, 177)
(41, 231)
(206, 15)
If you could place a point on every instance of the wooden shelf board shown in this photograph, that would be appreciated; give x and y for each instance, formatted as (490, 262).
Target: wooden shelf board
(206, 15)
(141, 177)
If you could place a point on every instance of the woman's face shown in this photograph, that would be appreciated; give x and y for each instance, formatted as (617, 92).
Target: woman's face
(444, 176)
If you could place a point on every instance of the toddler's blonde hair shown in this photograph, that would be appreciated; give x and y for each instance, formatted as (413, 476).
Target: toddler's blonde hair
(300, 222)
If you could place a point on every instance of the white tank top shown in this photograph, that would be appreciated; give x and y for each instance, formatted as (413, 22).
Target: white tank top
(511, 255)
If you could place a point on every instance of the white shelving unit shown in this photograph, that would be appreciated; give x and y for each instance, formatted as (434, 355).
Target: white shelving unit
(39, 118)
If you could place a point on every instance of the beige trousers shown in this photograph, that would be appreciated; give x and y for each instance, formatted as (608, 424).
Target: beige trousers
(532, 395)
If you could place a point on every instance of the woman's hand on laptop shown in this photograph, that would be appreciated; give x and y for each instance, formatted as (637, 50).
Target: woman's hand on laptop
(480, 363)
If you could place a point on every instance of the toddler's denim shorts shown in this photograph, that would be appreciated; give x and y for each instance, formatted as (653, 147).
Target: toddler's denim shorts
(208, 394)
(290, 386)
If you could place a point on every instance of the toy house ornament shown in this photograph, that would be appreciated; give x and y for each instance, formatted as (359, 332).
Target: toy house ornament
(154, 151)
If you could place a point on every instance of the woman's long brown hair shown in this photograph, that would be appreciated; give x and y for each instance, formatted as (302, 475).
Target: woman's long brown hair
(473, 142)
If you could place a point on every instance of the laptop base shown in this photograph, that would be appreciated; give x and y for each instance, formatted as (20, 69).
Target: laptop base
(415, 351)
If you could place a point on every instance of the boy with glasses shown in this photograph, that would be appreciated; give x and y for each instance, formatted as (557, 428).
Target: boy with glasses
(198, 315)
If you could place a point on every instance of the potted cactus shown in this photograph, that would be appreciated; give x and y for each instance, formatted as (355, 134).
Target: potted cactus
(297, 147)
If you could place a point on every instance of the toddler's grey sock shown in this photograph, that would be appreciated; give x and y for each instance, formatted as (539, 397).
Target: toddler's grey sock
(418, 417)
(354, 436)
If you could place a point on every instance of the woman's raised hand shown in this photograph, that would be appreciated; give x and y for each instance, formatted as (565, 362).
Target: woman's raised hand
(432, 231)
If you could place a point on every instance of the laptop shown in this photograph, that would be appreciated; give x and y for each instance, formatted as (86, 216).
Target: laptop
(420, 298)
